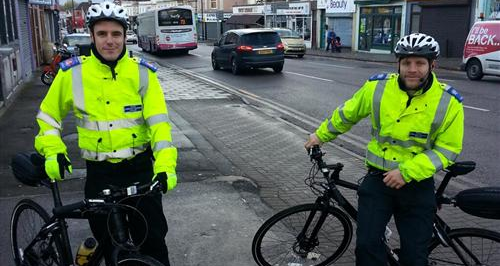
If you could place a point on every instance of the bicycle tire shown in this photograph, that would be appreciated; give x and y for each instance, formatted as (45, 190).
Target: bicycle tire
(137, 260)
(334, 239)
(484, 244)
(30, 216)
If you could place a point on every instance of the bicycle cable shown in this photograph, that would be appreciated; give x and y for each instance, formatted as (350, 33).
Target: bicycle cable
(141, 216)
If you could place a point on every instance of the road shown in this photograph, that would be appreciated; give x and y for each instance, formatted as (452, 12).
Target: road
(314, 86)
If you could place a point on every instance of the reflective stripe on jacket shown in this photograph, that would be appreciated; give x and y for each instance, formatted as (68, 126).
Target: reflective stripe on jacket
(116, 118)
(420, 139)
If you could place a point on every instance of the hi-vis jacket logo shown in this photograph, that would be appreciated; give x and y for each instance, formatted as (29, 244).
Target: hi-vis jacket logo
(132, 108)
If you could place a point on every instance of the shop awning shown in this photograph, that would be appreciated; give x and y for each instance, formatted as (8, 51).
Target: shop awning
(246, 19)
(371, 2)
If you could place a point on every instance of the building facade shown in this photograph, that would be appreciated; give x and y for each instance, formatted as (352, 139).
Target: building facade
(27, 31)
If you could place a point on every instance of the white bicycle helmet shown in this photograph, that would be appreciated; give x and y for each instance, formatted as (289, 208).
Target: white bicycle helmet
(106, 11)
(417, 44)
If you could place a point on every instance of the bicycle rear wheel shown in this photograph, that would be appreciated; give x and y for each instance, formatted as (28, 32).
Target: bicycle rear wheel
(279, 240)
(26, 221)
(471, 246)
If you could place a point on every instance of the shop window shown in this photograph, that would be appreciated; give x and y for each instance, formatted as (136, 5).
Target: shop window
(384, 10)
(415, 18)
(379, 28)
(365, 10)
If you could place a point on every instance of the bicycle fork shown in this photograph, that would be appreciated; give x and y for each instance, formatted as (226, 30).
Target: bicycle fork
(306, 244)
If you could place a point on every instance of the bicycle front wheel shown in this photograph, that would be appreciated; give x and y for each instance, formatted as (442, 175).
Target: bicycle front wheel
(137, 260)
(280, 241)
(469, 246)
(26, 221)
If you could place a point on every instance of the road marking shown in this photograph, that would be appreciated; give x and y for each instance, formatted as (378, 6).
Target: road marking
(307, 76)
(197, 55)
(476, 108)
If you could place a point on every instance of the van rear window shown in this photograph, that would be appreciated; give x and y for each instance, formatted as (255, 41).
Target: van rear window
(261, 38)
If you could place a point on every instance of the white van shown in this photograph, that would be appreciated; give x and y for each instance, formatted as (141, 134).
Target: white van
(482, 50)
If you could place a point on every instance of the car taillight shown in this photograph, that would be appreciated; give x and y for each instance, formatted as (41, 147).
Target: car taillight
(280, 46)
(244, 48)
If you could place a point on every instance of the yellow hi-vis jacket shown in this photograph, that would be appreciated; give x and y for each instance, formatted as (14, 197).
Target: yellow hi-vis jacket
(116, 118)
(420, 139)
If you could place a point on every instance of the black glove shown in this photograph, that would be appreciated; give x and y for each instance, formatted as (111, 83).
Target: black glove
(163, 179)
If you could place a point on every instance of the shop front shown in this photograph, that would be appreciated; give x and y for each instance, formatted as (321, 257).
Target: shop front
(297, 17)
(339, 18)
(379, 25)
(294, 16)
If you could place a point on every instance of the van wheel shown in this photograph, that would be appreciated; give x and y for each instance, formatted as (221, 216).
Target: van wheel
(474, 70)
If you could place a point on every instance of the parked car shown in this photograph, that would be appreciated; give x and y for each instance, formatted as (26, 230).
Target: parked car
(293, 43)
(249, 48)
(482, 50)
(78, 43)
(131, 37)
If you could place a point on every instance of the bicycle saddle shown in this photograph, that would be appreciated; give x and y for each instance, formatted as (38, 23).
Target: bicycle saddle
(461, 168)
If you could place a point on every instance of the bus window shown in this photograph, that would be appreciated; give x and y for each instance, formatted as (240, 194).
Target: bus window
(173, 17)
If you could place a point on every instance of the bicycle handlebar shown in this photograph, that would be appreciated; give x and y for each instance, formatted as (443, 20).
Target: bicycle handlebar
(108, 195)
(458, 168)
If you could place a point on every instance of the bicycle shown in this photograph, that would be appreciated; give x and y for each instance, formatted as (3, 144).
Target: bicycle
(319, 233)
(40, 239)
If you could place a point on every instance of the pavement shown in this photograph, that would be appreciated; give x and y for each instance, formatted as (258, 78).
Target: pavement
(240, 161)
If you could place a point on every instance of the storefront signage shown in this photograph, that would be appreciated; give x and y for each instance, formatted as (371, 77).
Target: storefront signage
(212, 17)
(41, 2)
(321, 4)
(294, 9)
(340, 6)
(248, 9)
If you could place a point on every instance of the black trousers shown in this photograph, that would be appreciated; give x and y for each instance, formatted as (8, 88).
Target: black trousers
(102, 175)
(413, 207)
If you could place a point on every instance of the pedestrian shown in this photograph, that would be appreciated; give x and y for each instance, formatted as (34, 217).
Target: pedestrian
(122, 125)
(330, 36)
(336, 44)
(417, 130)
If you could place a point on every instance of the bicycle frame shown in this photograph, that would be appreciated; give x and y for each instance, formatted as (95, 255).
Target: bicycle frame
(331, 196)
(58, 228)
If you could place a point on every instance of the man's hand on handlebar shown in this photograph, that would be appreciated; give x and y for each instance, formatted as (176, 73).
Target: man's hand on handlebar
(167, 182)
(312, 141)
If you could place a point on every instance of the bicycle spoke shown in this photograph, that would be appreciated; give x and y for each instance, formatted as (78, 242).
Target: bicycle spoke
(286, 241)
(468, 248)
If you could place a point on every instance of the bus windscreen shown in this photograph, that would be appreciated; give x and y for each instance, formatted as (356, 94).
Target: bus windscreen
(175, 17)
